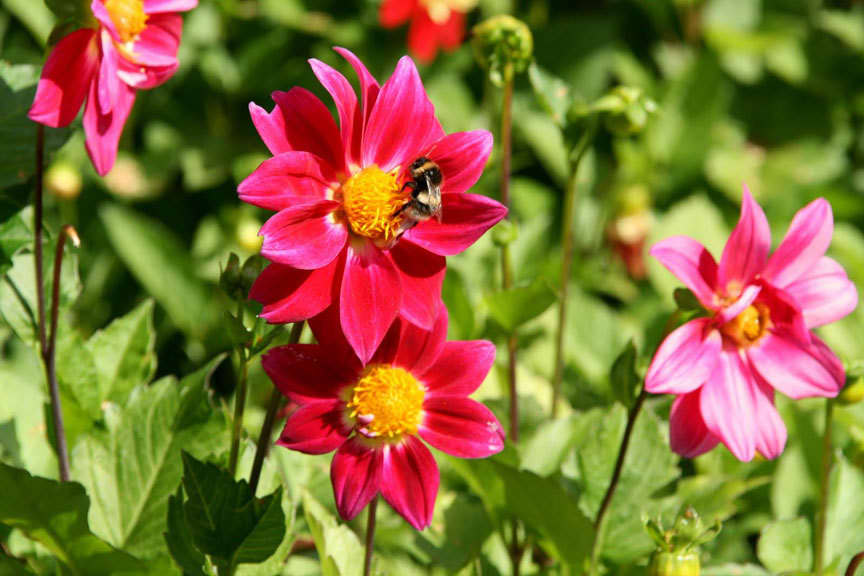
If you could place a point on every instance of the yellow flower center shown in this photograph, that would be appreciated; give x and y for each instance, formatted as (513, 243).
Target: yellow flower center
(387, 401)
(439, 10)
(371, 198)
(749, 325)
(128, 17)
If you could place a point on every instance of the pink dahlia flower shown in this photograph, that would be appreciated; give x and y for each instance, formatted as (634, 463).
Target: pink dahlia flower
(337, 236)
(416, 386)
(131, 46)
(434, 23)
(758, 336)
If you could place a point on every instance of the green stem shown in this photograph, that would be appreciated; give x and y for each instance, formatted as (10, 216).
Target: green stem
(566, 260)
(263, 444)
(600, 521)
(857, 560)
(239, 403)
(370, 536)
(822, 514)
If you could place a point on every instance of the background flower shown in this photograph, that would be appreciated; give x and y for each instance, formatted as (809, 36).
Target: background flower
(434, 24)
(758, 335)
(337, 236)
(415, 386)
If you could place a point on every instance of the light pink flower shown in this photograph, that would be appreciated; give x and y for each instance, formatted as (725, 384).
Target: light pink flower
(336, 238)
(415, 387)
(758, 336)
(131, 46)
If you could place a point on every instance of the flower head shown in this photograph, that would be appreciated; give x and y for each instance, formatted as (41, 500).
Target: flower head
(131, 46)
(434, 23)
(341, 236)
(415, 387)
(757, 337)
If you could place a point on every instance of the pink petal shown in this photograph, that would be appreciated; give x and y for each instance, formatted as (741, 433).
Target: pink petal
(418, 349)
(104, 18)
(786, 316)
(402, 102)
(144, 78)
(461, 157)
(350, 114)
(309, 126)
(770, 429)
(306, 373)
(304, 236)
(291, 295)
(685, 360)
(103, 131)
(795, 369)
(369, 299)
(746, 251)
(461, 427)
(287, 179)
(824, 293)
(459, 369)
(109, 82)
(409, 481)
(464, 219)
(158, 43)
(162, 6)
(421, 275)
(423, 36)
(728, 406)
(688, 435)
(748, 296)
(315, 428)
(327, 329)
(805, 243)
(356, 475)
(66, 79)
(691, 263)
(369, 88)
(395, 12)
(271, 128)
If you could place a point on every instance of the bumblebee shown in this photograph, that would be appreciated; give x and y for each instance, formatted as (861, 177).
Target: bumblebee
(425, 185)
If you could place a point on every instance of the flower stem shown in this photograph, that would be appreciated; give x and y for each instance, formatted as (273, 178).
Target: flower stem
(239, 402)
(857, 560)
(370, 535)
(263, 444)
(600, 521)
(567, 260)
(822, 514)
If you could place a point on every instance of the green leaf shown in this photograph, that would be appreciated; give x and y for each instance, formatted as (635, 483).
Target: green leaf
(124, 353)
(15, 233)
(338, 548)
(160, 262)
(17, 131)
(786, 545)
(179, 540)
(225, 520)
(466, 528)
(517, 306)
(55, 515)
(623, 377)
(132, 469)
(543, 504)
(551, 92)
(844, 532)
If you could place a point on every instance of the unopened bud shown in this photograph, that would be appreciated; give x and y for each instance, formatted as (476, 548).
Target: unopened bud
(853, 392)
(503, 46)
(625, 110)
(63, 180)
(247, 234)
(504, 233)
(674, 564)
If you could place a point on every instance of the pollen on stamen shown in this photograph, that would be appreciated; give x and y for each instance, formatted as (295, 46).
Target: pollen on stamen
(371, 201)
(386, 402)
(128, 17)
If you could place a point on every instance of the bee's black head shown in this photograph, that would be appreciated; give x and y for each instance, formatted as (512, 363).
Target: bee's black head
(418, 163)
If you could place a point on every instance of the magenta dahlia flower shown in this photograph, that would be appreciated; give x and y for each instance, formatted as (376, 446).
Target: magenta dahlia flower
(416, 385)
(340, 234)
(757, 337)
(131, 46)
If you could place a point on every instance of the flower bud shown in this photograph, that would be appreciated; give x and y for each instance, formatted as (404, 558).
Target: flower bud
(625, 110)
(674, 564)
(247, 234)
(504, 233)
(503, 47)
(853, 392)
(63, 180)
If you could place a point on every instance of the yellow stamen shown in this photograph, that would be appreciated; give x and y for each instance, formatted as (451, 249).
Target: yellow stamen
(387, 401)
(749, 325)
(371, 198)
(128, 17)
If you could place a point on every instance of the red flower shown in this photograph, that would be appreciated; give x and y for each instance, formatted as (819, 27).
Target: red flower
(337, 237)
(434, 23)
(132, 47)
(416, 385)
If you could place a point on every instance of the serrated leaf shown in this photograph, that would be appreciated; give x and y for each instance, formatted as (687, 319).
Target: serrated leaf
(124, 353)
(179, 540)
(786, 546)
(160, 262)
(338, 547)
(132, 469)
(55, 515)
(225, 520)
(517, 306)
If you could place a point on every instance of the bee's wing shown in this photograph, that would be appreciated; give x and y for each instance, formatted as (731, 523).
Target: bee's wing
(434, 191)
